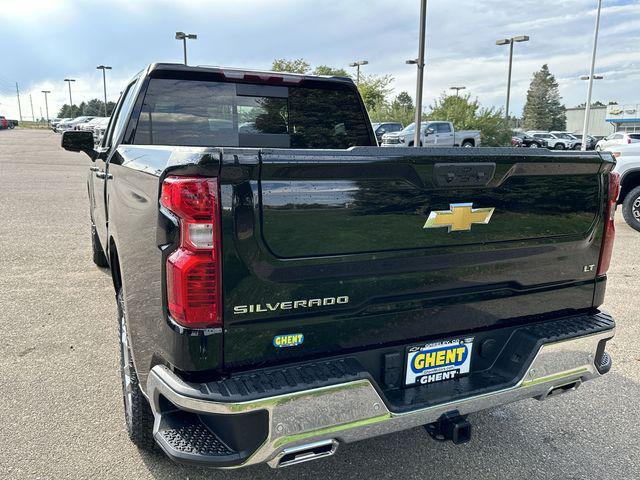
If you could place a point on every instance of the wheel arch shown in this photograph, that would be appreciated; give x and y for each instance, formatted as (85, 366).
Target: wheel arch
(628, 182)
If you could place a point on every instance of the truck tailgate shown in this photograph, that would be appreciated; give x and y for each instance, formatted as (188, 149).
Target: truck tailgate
(334, 251)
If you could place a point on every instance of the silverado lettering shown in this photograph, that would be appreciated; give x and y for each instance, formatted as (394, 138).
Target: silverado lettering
(213, 187)
(289, 305)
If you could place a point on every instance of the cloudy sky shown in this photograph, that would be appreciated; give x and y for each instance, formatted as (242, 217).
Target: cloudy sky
(45, 41)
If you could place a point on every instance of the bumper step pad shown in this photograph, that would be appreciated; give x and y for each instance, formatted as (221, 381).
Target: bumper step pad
(194, 438)
(183, 436)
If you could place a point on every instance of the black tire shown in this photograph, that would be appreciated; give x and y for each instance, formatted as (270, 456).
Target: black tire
(467, 144)
(558, 146)
(631, 209)
(137, 412)
(578, 146)
(534, 145)
(99, 258)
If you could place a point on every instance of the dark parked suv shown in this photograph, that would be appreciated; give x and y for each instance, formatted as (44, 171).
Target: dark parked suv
(529, 141)
(385, 127)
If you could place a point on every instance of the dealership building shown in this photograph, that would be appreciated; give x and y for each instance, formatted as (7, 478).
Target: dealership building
(605, 120)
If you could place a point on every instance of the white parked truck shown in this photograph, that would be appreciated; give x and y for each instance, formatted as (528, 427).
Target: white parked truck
(432, 134)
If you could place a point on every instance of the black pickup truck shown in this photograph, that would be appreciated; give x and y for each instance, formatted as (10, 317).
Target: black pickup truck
(284, 286)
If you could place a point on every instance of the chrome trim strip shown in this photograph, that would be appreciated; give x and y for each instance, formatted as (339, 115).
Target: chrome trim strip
(354, 411)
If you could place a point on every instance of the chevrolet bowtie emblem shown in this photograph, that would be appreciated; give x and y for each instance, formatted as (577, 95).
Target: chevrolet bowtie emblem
(459, 217)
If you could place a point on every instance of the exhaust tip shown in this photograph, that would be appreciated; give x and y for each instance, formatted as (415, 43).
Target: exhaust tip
(560, 390)
(306, 453)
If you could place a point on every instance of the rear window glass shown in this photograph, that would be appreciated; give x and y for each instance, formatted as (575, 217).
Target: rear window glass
(206, 113)
(635, 136)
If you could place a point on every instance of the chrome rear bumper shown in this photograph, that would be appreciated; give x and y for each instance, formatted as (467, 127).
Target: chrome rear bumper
(354, 410)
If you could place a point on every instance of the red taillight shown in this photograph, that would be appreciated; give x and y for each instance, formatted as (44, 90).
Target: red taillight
(193, 270)
(629, 140)
(609, 226)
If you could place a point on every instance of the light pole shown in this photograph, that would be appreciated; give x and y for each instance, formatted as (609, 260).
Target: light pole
(510, 42)
(46, 102)
(457, 89)
(69, 80)
(419, 63)
(587, 110)
(104, 68)
(183, 36)
(588, 77)
(358, 64)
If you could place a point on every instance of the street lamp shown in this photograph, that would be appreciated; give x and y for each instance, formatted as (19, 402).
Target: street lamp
(591, 78)
(104, 68)
(419, 63)
(510, 42)
(183, 36)
(457, 89)
(69, 80)
(358, 64)
(46, 103)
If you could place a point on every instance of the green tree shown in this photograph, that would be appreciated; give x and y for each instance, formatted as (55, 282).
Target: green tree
(374, 90)
(543, 109)
(401, 109)
(69, 111)
(330, 71)
(467, 114)
(94, 108)
(297, 65)
(111, 106)
(403, 101)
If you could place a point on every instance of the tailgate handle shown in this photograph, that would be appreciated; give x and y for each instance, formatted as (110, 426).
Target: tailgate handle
(463, 174)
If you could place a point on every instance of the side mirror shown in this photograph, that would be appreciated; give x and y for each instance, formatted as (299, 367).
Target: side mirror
(78, 141)
(430, 131)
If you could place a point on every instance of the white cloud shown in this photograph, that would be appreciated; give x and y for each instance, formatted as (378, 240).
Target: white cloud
(49, 41)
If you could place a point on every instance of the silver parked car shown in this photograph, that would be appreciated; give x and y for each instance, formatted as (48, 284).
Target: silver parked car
(555, 141)
(73, 124)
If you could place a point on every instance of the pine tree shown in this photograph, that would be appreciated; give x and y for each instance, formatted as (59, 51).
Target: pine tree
(544, 109)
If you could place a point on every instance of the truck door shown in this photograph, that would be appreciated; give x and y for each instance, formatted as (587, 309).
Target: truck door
(444, 134)
(100, 170)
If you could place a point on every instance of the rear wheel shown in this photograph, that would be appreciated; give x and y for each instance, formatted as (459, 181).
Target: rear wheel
(558, 146)
(534, 145)
(137, 412)
(631, 209)
(467, 144)
(99, 258)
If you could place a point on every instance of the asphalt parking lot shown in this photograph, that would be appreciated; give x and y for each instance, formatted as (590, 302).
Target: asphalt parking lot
(60, 399)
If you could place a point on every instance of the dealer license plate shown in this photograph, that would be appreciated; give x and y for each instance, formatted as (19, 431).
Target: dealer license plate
(438, 361)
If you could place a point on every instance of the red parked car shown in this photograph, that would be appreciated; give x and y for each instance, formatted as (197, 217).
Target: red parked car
(4, 123)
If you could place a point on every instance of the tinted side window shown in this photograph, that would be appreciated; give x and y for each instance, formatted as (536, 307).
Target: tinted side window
(118, 118)
(443, 128)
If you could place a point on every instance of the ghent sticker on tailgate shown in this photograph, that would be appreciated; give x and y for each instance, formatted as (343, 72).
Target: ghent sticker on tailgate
(288, 340)
(439, 361)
